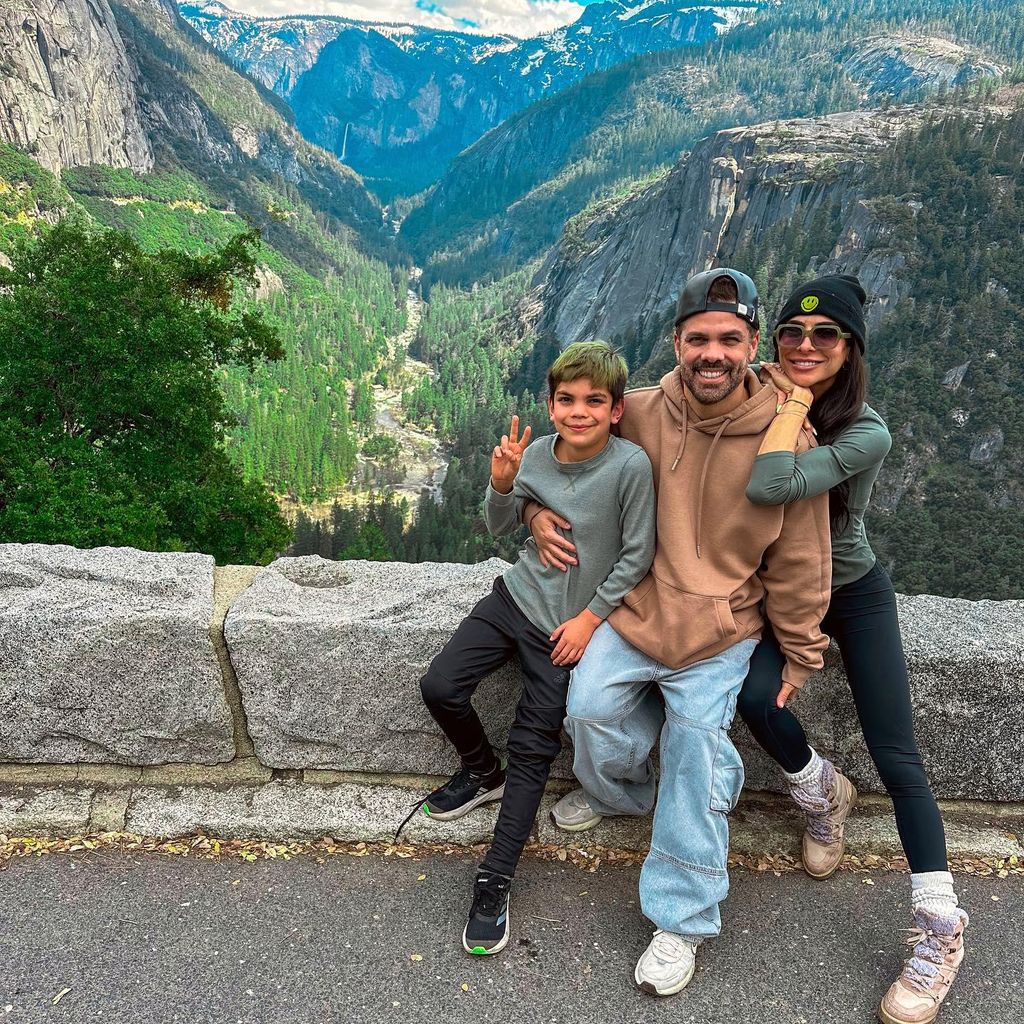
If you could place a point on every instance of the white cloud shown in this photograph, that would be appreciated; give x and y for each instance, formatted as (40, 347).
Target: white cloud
(491, 17)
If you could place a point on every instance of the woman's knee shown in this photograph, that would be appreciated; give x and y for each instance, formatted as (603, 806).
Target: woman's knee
(902, 772)
(756, 703)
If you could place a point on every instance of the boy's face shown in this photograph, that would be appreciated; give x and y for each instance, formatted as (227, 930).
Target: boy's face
(583, 415)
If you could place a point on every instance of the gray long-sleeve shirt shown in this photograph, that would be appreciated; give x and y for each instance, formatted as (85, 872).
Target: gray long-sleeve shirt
(779, 478)
(610, 501)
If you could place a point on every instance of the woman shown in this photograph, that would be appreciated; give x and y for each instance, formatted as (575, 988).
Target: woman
(820, 374)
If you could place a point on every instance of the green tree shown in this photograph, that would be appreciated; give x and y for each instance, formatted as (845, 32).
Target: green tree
(111, 414)
(370, 544)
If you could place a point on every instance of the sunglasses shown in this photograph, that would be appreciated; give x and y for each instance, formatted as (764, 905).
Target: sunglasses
(821, 335)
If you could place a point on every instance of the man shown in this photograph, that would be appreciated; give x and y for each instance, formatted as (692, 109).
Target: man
(690, 627)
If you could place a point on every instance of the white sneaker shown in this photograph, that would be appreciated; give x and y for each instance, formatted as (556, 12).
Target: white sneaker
(574, 813)
(667, 964)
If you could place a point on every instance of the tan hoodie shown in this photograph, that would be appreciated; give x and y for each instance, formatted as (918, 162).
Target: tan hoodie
(717, 554)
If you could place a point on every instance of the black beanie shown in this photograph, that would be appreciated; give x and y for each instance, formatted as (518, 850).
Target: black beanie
(839, 296)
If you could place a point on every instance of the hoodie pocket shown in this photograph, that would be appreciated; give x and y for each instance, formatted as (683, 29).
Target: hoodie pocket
(675, 624)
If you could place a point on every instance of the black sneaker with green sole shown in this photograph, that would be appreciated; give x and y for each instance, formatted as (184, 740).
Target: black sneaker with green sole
(463, 792)
(486, 930)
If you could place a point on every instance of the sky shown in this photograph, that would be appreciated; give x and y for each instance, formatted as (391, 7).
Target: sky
(522, 18)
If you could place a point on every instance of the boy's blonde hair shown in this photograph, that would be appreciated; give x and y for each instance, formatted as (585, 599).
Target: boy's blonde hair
(596, 361)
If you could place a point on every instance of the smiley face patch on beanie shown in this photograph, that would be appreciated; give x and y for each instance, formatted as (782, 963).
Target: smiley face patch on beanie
(809, 303)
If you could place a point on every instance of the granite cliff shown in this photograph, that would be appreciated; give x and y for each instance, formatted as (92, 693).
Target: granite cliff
(618, 266)
(199, 111)
(902, 63)
(922, 203)
(68, 92)
(127, 84)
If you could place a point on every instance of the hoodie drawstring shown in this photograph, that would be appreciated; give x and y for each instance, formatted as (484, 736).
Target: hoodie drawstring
(679, 450)
(703, 476)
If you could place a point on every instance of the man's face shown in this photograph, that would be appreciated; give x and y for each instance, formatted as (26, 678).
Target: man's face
(714, 350)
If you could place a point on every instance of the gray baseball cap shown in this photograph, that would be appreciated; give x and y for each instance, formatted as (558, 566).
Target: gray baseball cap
(694, 297)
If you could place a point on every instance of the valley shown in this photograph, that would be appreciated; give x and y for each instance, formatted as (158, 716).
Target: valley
(420, 456)
(511, 196)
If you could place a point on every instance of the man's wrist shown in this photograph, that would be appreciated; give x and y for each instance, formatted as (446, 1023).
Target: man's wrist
(530, 517)
(497, 489)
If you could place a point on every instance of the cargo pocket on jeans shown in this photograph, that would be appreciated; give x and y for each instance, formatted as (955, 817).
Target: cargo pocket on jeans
(726, 776)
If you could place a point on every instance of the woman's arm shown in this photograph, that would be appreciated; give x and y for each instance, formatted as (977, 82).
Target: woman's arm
(781, 477)
(785, 430)
(790, 419)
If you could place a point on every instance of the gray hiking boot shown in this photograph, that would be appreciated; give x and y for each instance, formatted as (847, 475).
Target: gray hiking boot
(938, 949)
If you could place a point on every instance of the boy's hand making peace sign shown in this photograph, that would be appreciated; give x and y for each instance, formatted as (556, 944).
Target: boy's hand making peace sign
(506, 457)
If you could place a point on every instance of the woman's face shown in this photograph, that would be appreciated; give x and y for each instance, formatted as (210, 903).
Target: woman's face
(810, 367)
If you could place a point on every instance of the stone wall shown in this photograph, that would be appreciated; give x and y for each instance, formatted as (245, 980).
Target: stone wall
(120, 657)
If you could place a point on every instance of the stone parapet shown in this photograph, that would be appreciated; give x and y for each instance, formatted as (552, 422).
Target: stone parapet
(965, 661)
(106, 657)
(111, 657)
(329, 656)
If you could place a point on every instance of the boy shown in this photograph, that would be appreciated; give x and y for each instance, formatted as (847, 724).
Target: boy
(605, 486)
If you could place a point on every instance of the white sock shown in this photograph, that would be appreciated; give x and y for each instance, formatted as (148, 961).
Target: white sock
(932, 891)
(809, 776)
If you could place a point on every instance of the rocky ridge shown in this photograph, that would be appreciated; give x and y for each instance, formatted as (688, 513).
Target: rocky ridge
(617, 269)
(195, 107)
(127, 84)
(873, 193)
(898, 64)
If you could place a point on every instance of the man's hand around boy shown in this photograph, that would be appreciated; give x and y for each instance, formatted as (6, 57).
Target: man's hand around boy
(573, 635)
(552, 547)
(506, 457)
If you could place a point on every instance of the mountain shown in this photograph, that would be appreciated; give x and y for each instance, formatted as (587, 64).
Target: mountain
(618, 266)
(205, 116)
(397, 102)
(278, 51)
(503, 200)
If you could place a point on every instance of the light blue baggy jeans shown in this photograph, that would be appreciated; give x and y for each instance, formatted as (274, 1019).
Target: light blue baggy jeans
(614, 719)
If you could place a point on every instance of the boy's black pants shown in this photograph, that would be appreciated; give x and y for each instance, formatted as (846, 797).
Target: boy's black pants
(493, 632)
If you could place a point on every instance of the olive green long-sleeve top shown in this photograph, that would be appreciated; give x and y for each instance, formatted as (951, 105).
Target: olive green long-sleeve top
(779, 478)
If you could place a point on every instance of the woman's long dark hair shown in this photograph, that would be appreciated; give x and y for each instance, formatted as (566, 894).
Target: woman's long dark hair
(831, 414)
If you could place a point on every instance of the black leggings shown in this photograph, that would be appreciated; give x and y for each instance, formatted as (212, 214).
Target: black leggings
(862, 619)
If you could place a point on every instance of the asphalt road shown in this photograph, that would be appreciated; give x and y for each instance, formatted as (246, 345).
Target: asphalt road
(143, 938)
